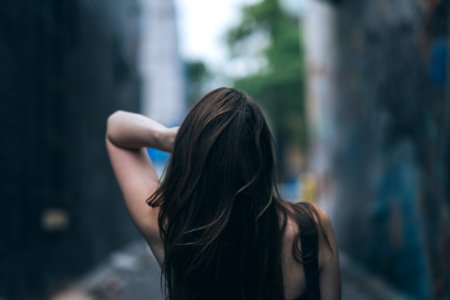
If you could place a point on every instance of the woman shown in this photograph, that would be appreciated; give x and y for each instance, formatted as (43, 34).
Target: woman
(216, 223)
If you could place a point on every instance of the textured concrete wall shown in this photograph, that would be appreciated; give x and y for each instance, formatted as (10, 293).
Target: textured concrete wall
(64, 66)
(387, 143)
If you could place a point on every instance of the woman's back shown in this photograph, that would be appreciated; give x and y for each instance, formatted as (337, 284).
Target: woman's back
(216, 222)
(293, 271)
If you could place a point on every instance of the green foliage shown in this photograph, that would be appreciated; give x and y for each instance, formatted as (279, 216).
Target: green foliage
(197, 75)
(279, 84)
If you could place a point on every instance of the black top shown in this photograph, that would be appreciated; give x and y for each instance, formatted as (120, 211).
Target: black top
(310, 250)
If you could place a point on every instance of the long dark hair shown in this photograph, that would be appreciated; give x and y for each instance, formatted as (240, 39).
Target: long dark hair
(221, 216)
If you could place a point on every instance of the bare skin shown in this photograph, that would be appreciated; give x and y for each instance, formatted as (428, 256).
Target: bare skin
(127, 137)
(329, 270)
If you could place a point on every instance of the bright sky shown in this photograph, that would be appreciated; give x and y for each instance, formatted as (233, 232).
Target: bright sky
(202, 25)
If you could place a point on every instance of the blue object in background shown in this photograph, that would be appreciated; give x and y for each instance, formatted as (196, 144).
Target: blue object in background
(396, 224)
(159, 159)
(290, 190)
(439, 62)
(157, 156)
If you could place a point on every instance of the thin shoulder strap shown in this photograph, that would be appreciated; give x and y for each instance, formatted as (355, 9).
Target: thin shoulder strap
(310, 249)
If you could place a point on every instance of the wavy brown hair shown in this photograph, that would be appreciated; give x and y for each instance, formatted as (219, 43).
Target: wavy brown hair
(221, 216)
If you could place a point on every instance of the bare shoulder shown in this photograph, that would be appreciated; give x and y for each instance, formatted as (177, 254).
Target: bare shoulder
(330, 275)
(327, 242)
(323, 218)
(293, 271)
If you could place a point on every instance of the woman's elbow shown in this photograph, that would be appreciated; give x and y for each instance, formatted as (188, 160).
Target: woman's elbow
(112, 123)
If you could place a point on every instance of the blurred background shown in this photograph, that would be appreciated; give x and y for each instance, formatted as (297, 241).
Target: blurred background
(357, 92)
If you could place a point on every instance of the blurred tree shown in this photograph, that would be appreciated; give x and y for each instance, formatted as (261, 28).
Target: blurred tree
(197, 74)
(269, 38)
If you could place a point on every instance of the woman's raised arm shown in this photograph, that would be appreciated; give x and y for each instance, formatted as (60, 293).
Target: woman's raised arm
(133, 131)
(127, 136)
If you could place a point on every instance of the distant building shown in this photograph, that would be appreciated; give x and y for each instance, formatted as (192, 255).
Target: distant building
(160, 66)
(318, 22)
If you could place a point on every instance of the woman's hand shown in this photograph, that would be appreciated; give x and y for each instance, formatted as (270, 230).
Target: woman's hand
(168, 139)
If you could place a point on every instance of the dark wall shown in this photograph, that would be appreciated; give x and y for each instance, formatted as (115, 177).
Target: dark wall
(393, 117)
(64, 67)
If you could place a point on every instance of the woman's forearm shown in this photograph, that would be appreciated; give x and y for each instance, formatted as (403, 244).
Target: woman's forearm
(134, 131)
